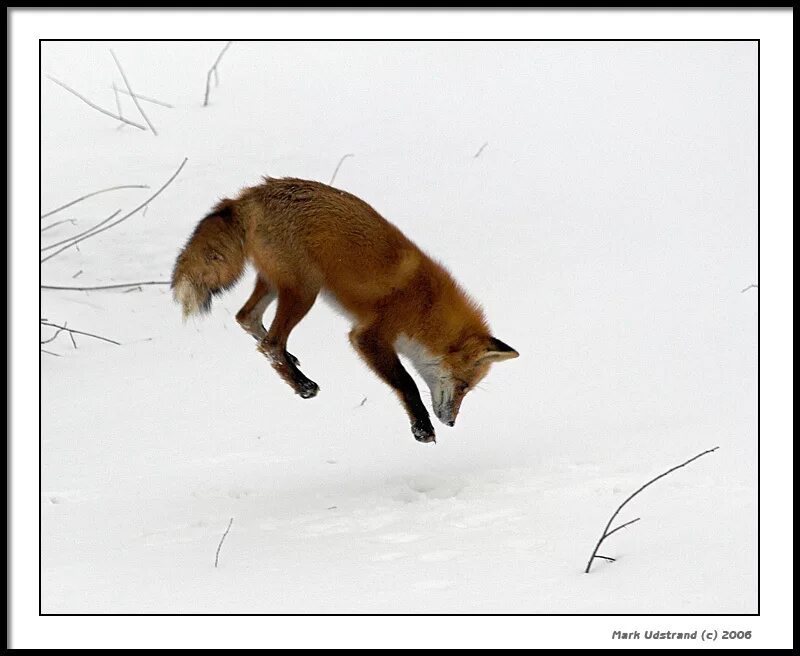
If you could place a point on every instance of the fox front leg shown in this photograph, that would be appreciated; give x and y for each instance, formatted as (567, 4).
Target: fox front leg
(382, 359)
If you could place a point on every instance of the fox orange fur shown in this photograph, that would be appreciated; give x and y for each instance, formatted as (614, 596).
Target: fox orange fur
(306, 237)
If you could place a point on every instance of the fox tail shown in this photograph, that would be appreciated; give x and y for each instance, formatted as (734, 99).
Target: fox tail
(211, 262)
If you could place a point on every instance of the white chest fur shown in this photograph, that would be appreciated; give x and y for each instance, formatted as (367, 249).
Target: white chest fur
(428, 366)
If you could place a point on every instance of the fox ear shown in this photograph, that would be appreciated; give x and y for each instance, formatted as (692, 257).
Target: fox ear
(497, 351)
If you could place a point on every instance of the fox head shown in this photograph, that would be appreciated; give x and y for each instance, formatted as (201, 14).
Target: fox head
(457, 370)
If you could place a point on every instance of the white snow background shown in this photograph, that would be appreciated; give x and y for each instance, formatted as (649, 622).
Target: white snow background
(607, 228)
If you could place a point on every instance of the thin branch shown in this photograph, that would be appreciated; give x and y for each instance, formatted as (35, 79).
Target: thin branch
(132, 95)
(94, 193)
(97, 107)
(480, 150)
(79, 332)
(608, 558)
(336, 170)
(606, 532)
(119, 105)
(213, 69)
(120, 220)
(621, 526)
(56, 334)
(80, 234)
(58, 355)
(222, 539)
(53, 225)
(120, 286)
(749, 287)
(77, 274)
(145, 98)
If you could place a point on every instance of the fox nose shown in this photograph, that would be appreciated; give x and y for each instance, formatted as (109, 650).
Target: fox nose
(452, 422)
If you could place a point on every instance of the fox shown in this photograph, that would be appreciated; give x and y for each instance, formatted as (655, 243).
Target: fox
(305, 239)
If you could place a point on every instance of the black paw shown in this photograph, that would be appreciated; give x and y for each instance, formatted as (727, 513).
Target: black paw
(423, 431)
(292, 359)
(307, 389)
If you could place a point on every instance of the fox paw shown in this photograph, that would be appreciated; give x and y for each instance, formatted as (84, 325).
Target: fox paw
(423, 432)
(292, 359)
(307, 389)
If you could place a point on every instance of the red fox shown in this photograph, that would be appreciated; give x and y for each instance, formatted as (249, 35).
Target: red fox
(305, 238)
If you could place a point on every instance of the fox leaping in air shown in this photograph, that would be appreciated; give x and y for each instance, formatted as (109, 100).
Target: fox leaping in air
(305, 238)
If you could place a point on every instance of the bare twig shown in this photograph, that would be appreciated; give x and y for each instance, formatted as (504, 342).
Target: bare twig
(80, 234)
(120, 286)
(213, 70)
(94, 193)
(222, 539)
(56, 334)
(336, 170)
(363, 401)
(480, 150)
(79, 332)
(132, 289)
(749, 287)
(77, 274)
(119, 105)
(50, 353)
(132, 95)
(145, 98)
(120, 220)
(72, 337)
(97, 107)
(53, 225)
(606, 531)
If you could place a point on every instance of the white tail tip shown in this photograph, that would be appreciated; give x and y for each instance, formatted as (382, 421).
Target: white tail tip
(186, 294)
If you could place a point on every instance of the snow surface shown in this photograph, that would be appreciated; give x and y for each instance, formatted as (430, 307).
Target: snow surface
(608, 228)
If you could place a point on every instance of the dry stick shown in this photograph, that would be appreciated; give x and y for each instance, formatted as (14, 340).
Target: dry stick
(77, 274)
(80, 234)
(145, 98)
(94, 193)
(222, 539)
(120, 286)
(606, 532)
(97, 107)
(119, 105)
(56, 334)
(480, 150)
(213, 69)
(749, 287)
(53, 225)
(336, 170)
(79, 332)
(50, 352)
(132, 95)
(128, 215)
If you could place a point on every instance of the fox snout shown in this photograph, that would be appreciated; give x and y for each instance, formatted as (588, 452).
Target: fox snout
(446, 410)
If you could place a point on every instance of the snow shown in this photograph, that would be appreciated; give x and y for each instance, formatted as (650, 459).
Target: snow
(608, 229)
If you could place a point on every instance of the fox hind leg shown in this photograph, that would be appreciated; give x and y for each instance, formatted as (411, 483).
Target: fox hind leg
(293, 305)
(250, 316)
